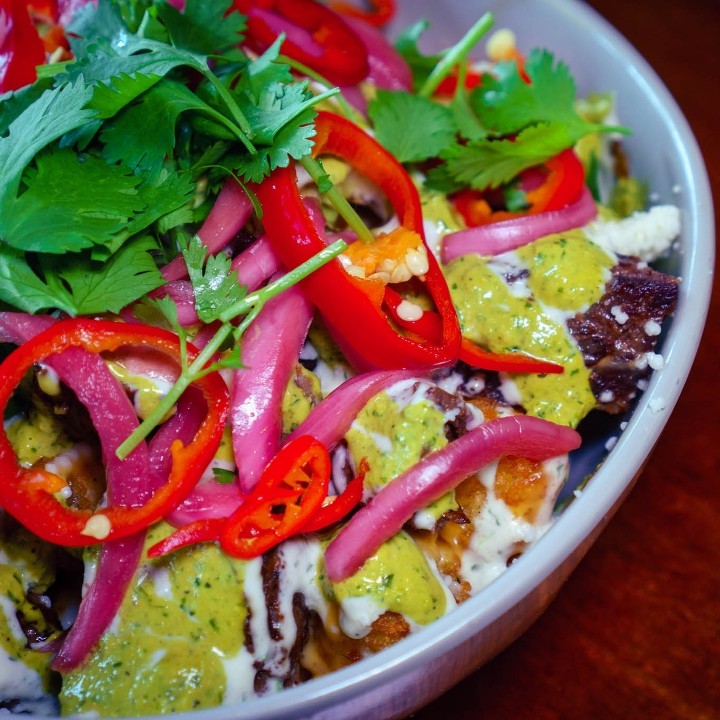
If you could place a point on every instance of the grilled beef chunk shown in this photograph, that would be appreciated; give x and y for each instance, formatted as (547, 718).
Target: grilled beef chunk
(616, 334)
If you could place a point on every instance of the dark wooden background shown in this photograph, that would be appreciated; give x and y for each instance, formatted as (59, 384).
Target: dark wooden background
(635, 632)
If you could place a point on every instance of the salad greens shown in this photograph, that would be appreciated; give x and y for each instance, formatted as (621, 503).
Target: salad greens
(470, 133)
(102, 170)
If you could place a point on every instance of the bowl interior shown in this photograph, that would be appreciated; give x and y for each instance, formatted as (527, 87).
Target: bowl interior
(664, 151)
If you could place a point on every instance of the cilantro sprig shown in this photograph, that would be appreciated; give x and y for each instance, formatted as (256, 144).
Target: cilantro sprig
(108, 157)
(485, 137)
(219, 297)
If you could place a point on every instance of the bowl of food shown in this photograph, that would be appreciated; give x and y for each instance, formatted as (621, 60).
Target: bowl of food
(278, 484)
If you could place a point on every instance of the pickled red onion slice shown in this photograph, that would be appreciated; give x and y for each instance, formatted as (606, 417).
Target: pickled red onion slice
(330, 419)
(436, 474)
(270, 350)
(499, 237)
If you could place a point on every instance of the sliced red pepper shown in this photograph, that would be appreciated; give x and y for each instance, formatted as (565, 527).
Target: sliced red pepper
(341, 506)
(29, 494)
(21, 49)
(428, 325)
(200, 531)
(286, 501)
(290, 491)
(380, 13)
(448, 86)
(351, 307)
(315, 36)
(562, 180)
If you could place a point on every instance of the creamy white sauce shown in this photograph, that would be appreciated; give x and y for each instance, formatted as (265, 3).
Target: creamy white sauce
(17, 680)
(497, 536)
(300, 558)
(357, 614)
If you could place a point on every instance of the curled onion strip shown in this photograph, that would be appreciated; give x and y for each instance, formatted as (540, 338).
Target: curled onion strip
(435, 475)
(119, 559)
(256, 264)
(505, 235)
(271, 347)
(330, 419)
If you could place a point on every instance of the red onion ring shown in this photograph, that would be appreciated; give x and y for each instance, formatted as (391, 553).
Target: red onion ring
(388, 68)
(505, 235)
(119, 559)
(435, 475)
(182, 294)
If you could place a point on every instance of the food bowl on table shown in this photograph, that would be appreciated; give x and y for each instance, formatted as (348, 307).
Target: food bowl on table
(403, 678)
(408, 675)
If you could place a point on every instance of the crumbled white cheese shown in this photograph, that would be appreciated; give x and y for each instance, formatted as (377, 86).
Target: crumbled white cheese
(646, 235)
(655, 361)
(657, 405)
(652, 328)
(621, 317)
(606, 396)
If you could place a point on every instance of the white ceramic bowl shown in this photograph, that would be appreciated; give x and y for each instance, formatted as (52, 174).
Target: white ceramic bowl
(407, 676)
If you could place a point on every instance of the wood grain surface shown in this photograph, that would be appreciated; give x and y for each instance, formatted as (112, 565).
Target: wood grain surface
(635, 632)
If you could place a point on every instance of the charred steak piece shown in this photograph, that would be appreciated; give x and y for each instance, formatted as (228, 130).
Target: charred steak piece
(617, 334)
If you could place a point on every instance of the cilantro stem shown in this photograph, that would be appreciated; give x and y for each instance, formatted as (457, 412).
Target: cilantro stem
(261, 296)
(251, 305)
(339, 201)
(243, 125)
(456, 54)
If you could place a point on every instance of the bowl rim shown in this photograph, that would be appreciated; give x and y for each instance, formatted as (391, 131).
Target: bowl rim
(595, 504)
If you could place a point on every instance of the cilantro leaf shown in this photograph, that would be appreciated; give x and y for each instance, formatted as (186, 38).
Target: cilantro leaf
(263, 72)
(157, 111)
(294, 140)
(270, 100)
(91, 203)
(160, 312)
(165, 193)
(118, 79)
(91, 21)
(53, 114)
(411, 127)
(16, 102)
(407, 45)
(21, 288)
(506, 104)
(512, 125)
(75, 283)
(126, 276)
(492, 162)
(216, 286)
(204, 26)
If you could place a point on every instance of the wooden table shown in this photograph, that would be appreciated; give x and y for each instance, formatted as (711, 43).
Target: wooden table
(635, 632)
